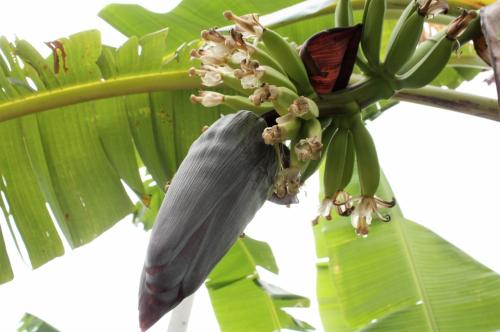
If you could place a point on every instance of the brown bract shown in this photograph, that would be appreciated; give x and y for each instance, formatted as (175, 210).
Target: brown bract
(329, 57)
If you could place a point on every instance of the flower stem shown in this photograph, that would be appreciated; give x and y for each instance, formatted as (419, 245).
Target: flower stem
(70, 95)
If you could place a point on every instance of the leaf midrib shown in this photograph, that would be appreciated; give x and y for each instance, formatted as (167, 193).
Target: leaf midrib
(416, 276)
(270, 303)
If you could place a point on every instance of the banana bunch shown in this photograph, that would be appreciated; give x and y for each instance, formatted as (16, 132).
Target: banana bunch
(306, 145)
(352, 144)
(406, 64)
(268, 74)
(260, 62)
(431, 56)
(404, 37)
(249, 56)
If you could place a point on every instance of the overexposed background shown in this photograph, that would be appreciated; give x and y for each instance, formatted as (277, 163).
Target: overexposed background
(444, 168)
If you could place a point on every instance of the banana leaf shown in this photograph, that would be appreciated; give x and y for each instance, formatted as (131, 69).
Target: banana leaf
(402, 277)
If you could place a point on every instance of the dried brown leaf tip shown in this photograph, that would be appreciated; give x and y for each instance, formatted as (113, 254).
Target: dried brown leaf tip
(58, 51)
(458, 25)
(431, 8)
(329, 57)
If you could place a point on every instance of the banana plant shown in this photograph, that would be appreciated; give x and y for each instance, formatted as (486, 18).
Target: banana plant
(140, 104)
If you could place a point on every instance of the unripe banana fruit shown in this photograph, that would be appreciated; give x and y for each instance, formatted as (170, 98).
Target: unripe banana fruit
(313, 165)
(404, 39)
(224, 179)
(367, 160)
(290, 60)
(310, 147)
(373, 22)
(343, 14)
(429, 66)
(335, 161)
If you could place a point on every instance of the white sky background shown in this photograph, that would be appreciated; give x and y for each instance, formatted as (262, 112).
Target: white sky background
(444, 168)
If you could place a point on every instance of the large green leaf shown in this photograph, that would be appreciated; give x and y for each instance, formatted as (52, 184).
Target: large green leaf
(401, 277)
(184, 22)
(74, 157)
(238, 294)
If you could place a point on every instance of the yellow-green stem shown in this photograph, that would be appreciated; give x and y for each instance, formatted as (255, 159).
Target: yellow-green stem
(69, 95)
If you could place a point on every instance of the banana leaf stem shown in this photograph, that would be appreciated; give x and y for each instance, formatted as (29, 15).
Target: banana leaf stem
(70, 95)
(452, 100)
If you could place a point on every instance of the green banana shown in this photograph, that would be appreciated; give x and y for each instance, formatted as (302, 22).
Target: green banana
(349, 163)
(288, 57)
(310, 148)
(431, 58)
(264, 58)
(373, 22)
(367, 160)
(282, 131)
(274, 77)
(422, 50)
(396, 31)
(283, 98)
(334, 162)
(242, 103)
(429, 66)
(343, 14)
(280, 97)
(313, 165)
(304, 108)
(404, 39)
(295, 161)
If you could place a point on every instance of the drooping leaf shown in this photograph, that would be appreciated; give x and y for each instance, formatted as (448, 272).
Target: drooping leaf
(402, 277)
(19, 185)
